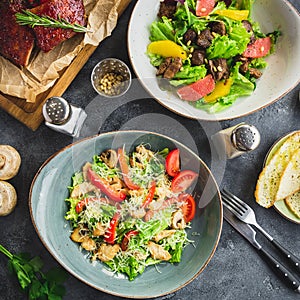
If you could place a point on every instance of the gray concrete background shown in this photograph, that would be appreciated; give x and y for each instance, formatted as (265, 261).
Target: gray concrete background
(236, 271)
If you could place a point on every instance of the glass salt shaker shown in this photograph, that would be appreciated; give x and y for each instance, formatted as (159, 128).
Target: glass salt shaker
(237, 140)
(63, 117)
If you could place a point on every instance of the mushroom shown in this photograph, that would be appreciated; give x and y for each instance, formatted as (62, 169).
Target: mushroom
(85, 169)
(178, 220)
(82, 189)
(87, 243)
(110, 158)
(117, 184)
(10, 162)
(76, 235)
(142, 154)
(8, 198)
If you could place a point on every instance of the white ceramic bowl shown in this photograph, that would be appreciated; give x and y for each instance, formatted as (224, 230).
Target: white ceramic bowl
(280, 77)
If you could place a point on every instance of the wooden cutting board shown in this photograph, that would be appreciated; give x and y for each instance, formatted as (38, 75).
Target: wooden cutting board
(31, 114)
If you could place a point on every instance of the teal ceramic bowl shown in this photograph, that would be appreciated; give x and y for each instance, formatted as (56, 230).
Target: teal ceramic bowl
(47, 208)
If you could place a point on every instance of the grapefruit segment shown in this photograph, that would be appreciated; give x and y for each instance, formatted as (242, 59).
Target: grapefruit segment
(204, 7)
(259, 48)
(197, 90)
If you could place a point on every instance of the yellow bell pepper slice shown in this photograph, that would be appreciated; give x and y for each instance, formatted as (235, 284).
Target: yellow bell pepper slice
(222, 88)
(167, 48)
(238, 15)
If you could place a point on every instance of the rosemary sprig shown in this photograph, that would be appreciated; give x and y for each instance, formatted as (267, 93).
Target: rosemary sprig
(32, 20)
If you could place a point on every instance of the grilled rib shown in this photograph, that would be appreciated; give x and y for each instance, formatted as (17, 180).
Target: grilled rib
(16, 42)
(69, 10)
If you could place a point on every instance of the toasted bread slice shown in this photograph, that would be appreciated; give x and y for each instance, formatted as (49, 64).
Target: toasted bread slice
(269, 178)
(290, 179)
(293, 202)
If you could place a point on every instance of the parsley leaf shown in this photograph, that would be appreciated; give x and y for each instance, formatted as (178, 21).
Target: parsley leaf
(39, 285)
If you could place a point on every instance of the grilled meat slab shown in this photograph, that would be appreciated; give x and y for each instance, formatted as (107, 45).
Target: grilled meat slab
(69, 10)
(16, 42)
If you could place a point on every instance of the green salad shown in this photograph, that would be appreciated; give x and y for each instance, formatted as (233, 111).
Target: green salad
(131, 211)
(211, 52)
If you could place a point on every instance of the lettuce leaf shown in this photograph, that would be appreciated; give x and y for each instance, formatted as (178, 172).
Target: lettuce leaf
(258, 63)
(241, 85)
(242, 4)
(130, 266)
(155, 59)
(188, 75)
(71, 214)
(184, 19)
(228, 46)
(162, 30)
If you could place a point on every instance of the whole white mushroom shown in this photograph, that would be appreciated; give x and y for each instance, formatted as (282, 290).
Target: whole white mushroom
(8, 198)
(10, 161)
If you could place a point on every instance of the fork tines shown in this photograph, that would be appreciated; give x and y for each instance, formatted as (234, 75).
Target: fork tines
(233, 202)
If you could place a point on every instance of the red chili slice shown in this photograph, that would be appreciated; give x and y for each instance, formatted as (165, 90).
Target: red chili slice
(111, 233)
(127, 237)
(173, 163)
(150, 195)
(104, 186)
(183, 180)
(125, 170)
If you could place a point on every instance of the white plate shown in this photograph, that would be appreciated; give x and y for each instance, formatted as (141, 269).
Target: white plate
(281, 75)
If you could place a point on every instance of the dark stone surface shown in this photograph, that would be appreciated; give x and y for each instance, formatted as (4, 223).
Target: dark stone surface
(236, 271)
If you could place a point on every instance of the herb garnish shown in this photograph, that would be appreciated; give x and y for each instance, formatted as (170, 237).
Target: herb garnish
(39, 285)
(32, 20)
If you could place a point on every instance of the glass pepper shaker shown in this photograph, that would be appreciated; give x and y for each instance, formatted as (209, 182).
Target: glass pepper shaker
(237, 140)
(63, 117)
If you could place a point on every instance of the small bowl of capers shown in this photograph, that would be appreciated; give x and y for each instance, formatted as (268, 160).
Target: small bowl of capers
(111, 78)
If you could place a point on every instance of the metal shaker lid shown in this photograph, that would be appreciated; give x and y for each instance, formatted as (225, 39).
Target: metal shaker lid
(56, 110)
(245, 137)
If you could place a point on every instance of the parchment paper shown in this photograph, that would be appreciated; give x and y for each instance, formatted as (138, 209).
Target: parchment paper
(43, 69)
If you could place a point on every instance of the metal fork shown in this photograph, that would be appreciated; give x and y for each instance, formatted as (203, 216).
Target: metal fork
(246, 214)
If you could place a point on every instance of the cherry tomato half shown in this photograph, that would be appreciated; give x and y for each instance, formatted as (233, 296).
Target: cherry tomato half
(183, 180)
(189, 207)
(173, 163)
